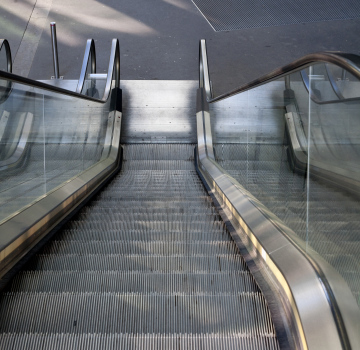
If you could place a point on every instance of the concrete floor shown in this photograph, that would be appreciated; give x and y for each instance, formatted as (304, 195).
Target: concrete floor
(159, 40)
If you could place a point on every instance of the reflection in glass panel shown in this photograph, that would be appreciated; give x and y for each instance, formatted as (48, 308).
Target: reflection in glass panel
(345, 82)
(334, 186)
(47, 139)
(322, 85)
(17, 136)
(93, 86)
(267, 139)
(251, 144)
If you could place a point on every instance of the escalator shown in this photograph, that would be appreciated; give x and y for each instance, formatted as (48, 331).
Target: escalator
(156, 254)
(149, 263)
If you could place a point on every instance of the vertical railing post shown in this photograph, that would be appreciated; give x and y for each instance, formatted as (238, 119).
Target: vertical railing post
(343, 75)
(55, 50)
(287, 82)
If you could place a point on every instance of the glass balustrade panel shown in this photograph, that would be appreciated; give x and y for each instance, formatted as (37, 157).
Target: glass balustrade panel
(333, 183)
(46, 139)
(295, 146)
(251, 142)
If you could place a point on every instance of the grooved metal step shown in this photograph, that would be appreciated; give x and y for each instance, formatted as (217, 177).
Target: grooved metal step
(136, 216)
(144, 234)
(135, 313)
(166, 248)
(137, 262)
(197, 226)
(163, 165)
(149, 264)
(135, 282)
(116, 341)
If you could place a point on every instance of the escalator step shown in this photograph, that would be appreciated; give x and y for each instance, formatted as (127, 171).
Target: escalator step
(144, 234)
(134, 313)
(137, 341)
(232, 282)
(156, 263)
(181, 226)
(166, 248)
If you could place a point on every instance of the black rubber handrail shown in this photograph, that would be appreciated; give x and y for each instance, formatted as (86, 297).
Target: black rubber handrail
(112, 74)
(4, 43)
(349, 62)
(6, 91)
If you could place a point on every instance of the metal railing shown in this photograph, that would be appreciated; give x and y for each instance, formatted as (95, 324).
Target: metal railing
(34, 219)
(113, 73)
(349, 62)
(6, 91)
(89, 56)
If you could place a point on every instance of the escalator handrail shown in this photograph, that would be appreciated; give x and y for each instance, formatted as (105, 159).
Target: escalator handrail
(112, 74)
(349, 62)
(204, 75)
(4, 43)
(89, 55)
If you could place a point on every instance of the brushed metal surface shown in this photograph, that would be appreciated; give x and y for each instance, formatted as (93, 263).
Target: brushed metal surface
(159, 111)
(66, 84)
(253, 116)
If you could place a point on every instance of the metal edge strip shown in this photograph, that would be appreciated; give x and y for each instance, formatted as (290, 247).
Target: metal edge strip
(281, 314)
(224, 202)
(204, 75)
